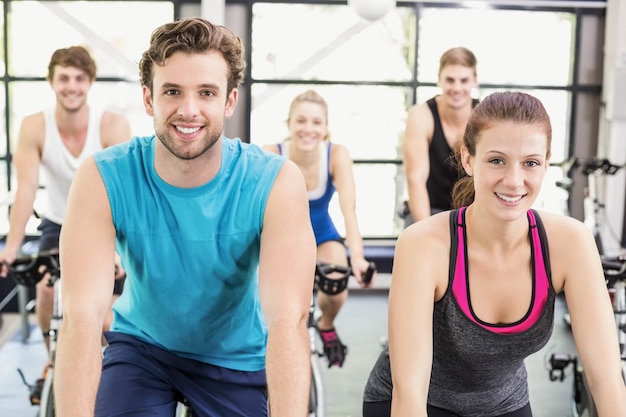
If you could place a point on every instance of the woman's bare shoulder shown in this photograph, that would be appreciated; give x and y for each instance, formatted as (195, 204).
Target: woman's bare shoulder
(571, 245)
(428, 233)
(561, 227)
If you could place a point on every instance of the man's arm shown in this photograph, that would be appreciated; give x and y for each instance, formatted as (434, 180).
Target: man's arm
(27, 160)
(114, 129)
(286, 274)
(417, 136)
(87, 250)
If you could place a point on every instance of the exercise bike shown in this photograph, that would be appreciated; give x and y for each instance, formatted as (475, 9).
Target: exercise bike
(582, 404)
(614, 267)
(28, 271)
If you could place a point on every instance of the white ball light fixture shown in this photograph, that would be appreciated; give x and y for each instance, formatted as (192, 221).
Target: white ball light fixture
(372, 9)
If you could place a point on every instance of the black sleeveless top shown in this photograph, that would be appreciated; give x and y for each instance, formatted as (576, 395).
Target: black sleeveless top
(477, 371)
(442, 174)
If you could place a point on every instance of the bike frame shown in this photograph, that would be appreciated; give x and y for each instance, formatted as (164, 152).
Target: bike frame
(317, 405)
(582, 403)
(46, 408)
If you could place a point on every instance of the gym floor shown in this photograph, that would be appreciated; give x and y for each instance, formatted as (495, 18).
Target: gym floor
(361, 325)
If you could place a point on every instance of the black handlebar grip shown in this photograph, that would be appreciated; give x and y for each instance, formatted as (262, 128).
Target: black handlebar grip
(367, 277)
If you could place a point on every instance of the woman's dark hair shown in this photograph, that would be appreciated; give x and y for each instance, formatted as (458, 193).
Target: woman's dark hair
(498, 107)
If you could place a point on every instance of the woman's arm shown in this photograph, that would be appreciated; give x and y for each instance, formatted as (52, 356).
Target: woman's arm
(593, 321)
(419, 277)
(343, 178)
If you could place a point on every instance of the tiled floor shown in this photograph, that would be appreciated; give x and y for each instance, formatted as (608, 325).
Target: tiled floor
(361, 324)
(30, 357)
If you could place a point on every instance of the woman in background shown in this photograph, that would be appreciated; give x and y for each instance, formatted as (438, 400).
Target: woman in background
(327, 168)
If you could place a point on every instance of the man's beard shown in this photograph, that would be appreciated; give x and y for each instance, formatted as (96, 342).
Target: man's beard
(209, 139)
(73, 109)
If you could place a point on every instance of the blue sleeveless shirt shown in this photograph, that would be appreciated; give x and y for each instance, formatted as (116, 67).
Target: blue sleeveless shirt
(319, 199)
(443, 172)
(191, 254)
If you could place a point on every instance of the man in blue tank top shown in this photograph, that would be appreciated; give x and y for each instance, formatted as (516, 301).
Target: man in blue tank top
(210, 312)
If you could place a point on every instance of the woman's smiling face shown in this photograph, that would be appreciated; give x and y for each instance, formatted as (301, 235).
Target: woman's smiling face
(307, 125)
(509, 166)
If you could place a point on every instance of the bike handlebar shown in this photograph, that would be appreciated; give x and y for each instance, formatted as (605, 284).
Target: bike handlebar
(597, 165)
(324, 269)
(614, 269)
(588, 166)
(29, 270)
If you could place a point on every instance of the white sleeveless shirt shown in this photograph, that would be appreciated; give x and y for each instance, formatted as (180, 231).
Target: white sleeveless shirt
(58, 165)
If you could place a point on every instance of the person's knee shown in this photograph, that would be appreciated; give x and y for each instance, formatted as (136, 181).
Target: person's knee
(333, 298)
(44, 295)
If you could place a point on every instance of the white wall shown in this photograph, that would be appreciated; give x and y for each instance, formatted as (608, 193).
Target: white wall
(612, 130)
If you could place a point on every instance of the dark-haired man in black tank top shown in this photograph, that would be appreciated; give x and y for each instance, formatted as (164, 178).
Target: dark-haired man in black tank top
(434, 129)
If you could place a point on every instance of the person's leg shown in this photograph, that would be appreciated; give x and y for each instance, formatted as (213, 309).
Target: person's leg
(44, 300)
(44, 303)
(44, 295)
(143, 380)
(522, 412)
(439, 412)
(215, 391)
(134, 381)
(377, 409)
(332, 252)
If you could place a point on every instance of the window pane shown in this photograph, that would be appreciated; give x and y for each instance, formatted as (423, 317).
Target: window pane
(124, 98)
(377, 188)
(556, 102)
(541, 56)
(328, 42)
(4, 201)
(120, 97)
(3, 141)
(369, 120)
(112, 32)
(2, 64)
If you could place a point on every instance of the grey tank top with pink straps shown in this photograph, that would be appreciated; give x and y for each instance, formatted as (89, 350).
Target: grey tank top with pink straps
(477, 371)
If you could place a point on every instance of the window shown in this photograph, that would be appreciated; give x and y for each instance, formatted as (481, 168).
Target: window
(371, 72)
(114, 36)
